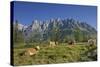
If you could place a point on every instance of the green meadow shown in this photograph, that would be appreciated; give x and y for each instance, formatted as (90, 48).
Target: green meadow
(62, 53)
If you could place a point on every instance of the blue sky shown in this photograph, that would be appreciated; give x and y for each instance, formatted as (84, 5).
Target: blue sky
(26, 12)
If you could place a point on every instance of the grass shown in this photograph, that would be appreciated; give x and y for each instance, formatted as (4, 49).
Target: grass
(60, 54)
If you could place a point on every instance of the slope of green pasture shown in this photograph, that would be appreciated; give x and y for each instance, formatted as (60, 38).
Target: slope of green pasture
(51, 55)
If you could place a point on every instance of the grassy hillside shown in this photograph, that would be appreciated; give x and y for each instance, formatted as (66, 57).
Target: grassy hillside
(62, 53)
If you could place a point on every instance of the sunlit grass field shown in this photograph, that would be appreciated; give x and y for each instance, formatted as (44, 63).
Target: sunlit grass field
(62, 53)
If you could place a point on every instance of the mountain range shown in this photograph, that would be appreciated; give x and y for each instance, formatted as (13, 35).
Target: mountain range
(56, 29)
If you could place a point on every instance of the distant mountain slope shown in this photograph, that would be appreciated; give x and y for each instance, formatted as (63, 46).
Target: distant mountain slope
(55, 29)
